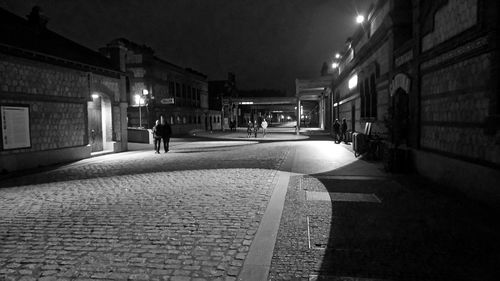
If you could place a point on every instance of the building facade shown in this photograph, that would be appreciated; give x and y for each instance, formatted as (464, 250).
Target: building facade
(158, 87)
(423, 73)
(59, 100)
(221, 95)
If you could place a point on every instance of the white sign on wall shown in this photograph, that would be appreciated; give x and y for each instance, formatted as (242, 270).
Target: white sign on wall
(15, 127)
(167, 101)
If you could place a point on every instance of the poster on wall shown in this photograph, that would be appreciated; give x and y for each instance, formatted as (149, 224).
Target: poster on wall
(15, 127)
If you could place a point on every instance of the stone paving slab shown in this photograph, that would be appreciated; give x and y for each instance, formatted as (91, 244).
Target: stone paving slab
(413, 234)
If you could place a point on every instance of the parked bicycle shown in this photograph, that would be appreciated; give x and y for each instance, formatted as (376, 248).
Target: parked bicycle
(370, 146)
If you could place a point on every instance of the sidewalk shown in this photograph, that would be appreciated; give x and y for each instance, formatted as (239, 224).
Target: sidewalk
(357, 222)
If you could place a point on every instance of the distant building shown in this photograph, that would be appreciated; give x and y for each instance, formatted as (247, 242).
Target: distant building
(59, 101)
(221, 93)
(424, 73)
(158, 87)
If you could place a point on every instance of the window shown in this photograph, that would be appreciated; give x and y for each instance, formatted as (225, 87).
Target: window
(177, 90)
(368, 97)
(368, 91)
(373, 97)
(171, 89)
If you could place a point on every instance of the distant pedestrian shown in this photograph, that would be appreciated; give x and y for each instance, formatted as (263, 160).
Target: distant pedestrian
(264, 127)
(336, 130)
(164, 131)
(343, 128)
(156, 136)
(256, 128)
(249, 129)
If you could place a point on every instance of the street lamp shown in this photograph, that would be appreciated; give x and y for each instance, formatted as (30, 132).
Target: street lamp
(140, 100)
(360, 19)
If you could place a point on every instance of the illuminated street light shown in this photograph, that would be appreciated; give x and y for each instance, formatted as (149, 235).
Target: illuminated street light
(360, 19)
(335, 64)
(337, 56)
(140, 100)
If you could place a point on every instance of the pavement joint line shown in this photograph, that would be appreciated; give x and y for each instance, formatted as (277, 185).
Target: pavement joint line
(258, 262)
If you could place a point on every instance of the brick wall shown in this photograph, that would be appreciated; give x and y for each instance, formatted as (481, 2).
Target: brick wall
(450, 20)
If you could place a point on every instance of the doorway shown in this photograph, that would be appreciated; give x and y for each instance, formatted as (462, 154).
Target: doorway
(100, 123)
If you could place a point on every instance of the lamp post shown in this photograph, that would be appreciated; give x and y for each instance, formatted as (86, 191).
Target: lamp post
(140, 100)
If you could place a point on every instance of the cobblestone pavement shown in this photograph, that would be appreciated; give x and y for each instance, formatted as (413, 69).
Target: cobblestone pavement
(190, 214)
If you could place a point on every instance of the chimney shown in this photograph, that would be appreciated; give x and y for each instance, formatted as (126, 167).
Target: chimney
(37, 18)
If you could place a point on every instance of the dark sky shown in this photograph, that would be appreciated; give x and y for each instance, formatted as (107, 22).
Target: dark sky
(266, 43)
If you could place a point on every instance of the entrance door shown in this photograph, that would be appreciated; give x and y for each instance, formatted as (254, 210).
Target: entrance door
(95, 124)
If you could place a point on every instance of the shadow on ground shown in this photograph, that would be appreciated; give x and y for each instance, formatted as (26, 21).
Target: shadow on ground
(418, 231)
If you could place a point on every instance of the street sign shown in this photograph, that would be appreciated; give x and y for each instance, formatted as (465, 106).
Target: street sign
(167, 101)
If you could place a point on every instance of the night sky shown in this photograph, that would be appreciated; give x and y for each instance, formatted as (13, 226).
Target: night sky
(266, 43)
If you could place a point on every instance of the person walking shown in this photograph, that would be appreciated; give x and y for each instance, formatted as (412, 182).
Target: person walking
(156, 136)
(256, 128)
(264, 127)
(343, 128)
(336, 131)
(164, 131)
(249, 129)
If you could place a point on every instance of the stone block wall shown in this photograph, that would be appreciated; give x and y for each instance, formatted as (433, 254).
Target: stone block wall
(28, 77)
(454, 105)
(450, 20)
(56, 97)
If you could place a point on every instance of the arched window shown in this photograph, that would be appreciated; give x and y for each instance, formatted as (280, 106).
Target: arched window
(368, 92)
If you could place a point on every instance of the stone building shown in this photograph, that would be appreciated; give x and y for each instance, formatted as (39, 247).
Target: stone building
(158, 87)
(60, 101)
(423, 72)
